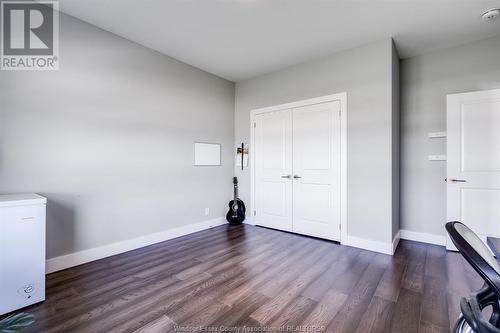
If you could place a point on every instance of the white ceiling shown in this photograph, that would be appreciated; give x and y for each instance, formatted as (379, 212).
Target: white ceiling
(240, 39)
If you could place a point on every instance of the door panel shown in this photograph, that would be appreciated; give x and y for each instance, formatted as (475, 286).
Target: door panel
(313, 138)
(316, 199)
(316, 160)
(273, 162)
(275, 194)
(481, 209)
(473, 167)
(480, 124)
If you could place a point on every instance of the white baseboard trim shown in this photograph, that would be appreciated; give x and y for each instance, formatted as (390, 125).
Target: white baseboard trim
(371, 245)
(395, 241)
(423, 237)
(82, 257)
(249, 220)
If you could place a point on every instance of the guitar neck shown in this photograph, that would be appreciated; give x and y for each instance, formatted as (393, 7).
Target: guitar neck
(235, 191)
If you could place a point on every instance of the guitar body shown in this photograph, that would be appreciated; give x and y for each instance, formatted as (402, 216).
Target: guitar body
(236, 216)
(237, 209)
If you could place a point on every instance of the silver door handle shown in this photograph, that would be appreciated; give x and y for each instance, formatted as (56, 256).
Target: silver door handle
(286, 176)
(296, 176)
(454, 180)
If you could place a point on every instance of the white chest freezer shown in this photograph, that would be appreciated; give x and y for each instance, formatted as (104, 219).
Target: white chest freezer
(22, 250)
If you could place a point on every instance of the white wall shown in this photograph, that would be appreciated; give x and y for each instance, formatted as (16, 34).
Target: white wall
(109, 140)
(425, 82)
(365, 73)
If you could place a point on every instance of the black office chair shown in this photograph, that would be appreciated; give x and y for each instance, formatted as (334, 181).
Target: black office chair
(484, 263)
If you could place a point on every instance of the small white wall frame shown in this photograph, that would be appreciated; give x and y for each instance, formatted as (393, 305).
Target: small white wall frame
(342, 97)
(207, 154)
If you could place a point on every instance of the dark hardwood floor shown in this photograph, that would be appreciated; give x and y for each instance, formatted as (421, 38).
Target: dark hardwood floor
(244, 275)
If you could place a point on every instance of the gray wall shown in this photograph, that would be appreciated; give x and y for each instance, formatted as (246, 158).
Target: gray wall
(396, 139)
(108, 139)
(425, 82)
(365, 74)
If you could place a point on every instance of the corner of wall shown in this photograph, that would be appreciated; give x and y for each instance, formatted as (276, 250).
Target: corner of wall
(396, 139)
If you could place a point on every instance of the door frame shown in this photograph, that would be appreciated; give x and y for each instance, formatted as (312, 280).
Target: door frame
(342, 98)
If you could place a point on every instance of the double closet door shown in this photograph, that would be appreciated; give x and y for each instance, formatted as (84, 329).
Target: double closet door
(297, 170)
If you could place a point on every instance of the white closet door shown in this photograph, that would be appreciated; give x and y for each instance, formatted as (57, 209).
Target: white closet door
(273, 170)
(473, 167)
(316, 170)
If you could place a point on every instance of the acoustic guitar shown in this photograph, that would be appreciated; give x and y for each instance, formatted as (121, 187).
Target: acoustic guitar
(237, 209)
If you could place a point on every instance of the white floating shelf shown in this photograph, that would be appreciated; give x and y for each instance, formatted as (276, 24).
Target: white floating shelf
(437, 157)
(434, 135)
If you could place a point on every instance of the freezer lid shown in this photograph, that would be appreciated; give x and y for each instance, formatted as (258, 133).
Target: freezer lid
(21, 199)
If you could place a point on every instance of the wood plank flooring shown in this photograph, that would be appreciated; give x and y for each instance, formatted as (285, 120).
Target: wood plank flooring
(235, 276)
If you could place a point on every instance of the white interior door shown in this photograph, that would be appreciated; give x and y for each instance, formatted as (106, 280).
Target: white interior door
(316, 170)
(473, 168)
(273, 170)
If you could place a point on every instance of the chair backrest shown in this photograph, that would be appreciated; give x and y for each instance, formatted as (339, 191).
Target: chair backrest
(476, 253)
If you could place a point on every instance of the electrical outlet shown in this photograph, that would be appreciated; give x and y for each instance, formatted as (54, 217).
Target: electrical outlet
(207, 211)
